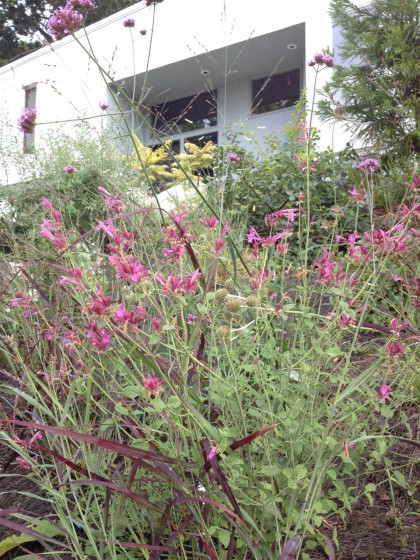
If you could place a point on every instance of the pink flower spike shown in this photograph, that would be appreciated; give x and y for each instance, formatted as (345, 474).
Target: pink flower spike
(152, 385)
(54, 212)
(384, 392)
(209, 222)
(218, 246)
(24, 464)
(122, 315)
(212, 452)
(395, 349)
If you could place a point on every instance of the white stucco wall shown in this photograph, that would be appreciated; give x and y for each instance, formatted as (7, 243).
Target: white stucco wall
(70, 85)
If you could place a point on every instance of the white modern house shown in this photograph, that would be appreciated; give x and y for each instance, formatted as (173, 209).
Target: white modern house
(203, 70)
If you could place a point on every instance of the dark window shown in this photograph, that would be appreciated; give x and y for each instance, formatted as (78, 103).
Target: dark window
(275, 92)
(30, 103)
(202, 139)
(189, 113)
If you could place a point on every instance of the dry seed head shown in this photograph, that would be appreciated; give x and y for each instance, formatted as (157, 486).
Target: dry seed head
(251, 300)
(223, 334)
(221, 295)
(229, 284)
(233, 305)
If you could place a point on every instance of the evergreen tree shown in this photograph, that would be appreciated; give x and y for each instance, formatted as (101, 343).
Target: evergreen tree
(377, 91)
(23, 23)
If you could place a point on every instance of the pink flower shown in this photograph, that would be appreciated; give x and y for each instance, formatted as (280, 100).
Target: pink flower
(209, 222)
(212, 452)
(104, 106)
(69, 169)
(175, 285)
(100, 338)
(174, 253)
(370, 165)
(129, 22)
(218, 246)
(24, 464)
(322, 59)
(75, 277)
(129, 268)
(357, 196)
(345, 321)
(64, 21)
(253, 236)
(396, 328)
(115, 204)
(26, 122)
(143, 31)
(152, 385)
(48, 230)
(233, 157)
(395, 349)
(384, 392)
(54, 212)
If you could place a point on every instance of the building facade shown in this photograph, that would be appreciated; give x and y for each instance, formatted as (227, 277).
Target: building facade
(189, 70)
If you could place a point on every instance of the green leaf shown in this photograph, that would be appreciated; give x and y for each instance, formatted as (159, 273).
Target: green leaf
(40, 525)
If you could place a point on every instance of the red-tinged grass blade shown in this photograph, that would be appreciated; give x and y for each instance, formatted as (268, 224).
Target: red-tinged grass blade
(220, 477)
(231, 547)
(61, 459)
(18, 528)
(120, 489)
(179, 531)
(330, 547)
(159, 548)
(290, 548)
(207, 548)
(115, 447)
(247, 440)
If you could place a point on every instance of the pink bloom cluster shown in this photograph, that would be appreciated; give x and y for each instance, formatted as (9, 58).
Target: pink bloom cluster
(176, 236)
(175, 285)
(100, 338)
(25, 302)
(129, 22)
(115, 204)
(69, 169)
(50, 229)
(74, 277)
(152, 385)
(64, 21)
(379, 242)
(384, 392)
(131, 318)
(370, 165)
(322, 59)
(26, 122)
(104, 106)
(84, 4)
(233, 157)
(303, 163)
(99, 304)
(331, 272)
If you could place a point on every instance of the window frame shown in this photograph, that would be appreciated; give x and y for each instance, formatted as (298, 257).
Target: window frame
(30, 103)
(268, 77)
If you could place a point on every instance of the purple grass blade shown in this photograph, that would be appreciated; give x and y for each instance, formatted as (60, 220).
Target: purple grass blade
(125, 450)
(247, 440)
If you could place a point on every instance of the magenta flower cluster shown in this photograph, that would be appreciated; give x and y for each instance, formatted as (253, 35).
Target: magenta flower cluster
(322, 59)
(69, 169)
(233, 157)
(26, 122)
(67, 20)
(64, 21)
(129, 22)
(370, 165)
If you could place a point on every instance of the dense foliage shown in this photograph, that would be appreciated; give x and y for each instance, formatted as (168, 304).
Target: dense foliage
(376, 90)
